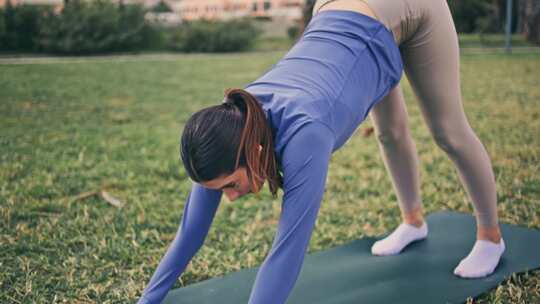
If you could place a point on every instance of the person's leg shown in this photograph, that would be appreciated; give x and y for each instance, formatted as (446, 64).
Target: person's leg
(352, 5)
(390, 120)
(398, 151)
(431, 61)
(431, 64)
(318, 5)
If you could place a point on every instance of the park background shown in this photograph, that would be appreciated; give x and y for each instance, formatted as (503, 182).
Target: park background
(93, 98)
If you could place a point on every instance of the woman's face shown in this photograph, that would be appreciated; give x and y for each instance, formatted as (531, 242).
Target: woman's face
(234, 185)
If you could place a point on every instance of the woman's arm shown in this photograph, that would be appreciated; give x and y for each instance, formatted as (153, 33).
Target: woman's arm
(305, 165)
(199, 212)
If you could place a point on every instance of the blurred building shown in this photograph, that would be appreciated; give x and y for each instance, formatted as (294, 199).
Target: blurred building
(168, 19)
(3, 2)
(282, 13)
(227, 9)
(35, 2)
(60, 3)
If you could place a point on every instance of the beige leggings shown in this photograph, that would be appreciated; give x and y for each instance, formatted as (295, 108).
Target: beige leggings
(427, 39)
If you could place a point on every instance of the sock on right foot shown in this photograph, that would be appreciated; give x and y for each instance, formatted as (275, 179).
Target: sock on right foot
(402, 236)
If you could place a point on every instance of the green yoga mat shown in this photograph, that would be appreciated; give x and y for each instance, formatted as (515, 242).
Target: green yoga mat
(348, 274)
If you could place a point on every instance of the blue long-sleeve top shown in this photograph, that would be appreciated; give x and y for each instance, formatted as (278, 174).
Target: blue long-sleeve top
(313, 98)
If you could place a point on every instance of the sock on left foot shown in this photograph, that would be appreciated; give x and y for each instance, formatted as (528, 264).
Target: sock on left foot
(481, 261)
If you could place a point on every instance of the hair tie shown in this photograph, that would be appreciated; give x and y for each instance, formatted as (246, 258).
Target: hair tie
(228, 101)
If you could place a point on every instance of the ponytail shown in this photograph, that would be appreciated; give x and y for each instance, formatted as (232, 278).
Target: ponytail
(261, 165)
(219, 139)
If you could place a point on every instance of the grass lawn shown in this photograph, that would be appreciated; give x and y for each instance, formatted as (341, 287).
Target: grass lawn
(70, 128)
(466, 41)
(491, 40)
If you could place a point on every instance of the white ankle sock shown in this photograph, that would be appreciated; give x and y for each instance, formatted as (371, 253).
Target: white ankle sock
(481, 261)
(397, 240)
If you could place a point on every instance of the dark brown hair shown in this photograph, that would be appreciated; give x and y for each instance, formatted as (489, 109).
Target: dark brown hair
(219, 139)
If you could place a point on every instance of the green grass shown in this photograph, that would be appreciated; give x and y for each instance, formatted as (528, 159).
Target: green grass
(68, 128)
(282, 42)
(491, 40)
(276, 43)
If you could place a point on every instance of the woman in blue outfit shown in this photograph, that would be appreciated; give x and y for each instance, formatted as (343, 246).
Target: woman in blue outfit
(283, 128)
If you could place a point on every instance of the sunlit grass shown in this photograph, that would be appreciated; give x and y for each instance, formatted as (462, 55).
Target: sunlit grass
(77, 127)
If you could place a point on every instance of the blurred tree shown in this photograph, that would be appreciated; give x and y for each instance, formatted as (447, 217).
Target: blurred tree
(215, 36)
(529, 20)
(162, 7)
(2, 28)
(86, 27)
(306, 14)
(494, 19)
(297, 29)
(20, 26)
(7, 38)
(467, 12)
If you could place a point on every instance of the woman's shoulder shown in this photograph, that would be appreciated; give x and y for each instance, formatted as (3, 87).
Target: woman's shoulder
(304, 138)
